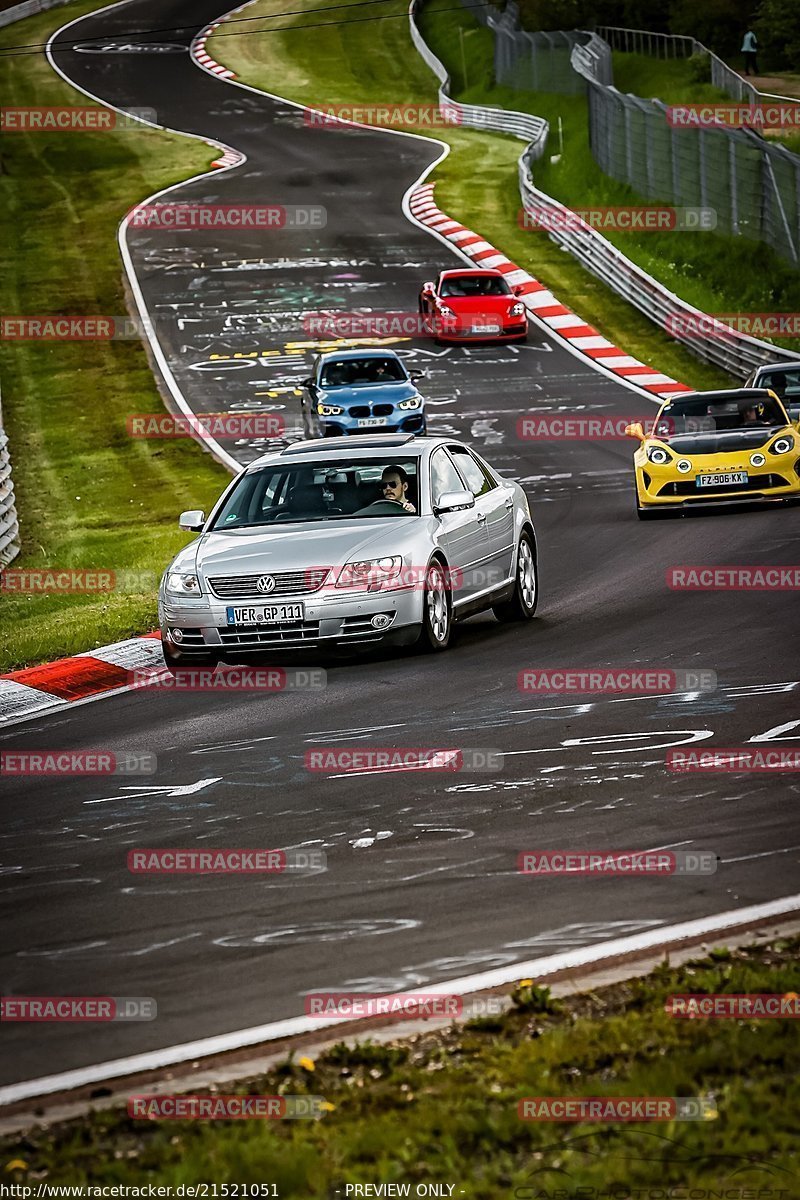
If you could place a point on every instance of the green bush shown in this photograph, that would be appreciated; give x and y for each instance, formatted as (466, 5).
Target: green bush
(699, 66)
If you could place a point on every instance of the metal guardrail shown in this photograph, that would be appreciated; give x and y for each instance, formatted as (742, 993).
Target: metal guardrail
(9, 525)
(477, 116)
(673, 45)
(725, 347)
(711, 340)
(29, 9)
(593, 60)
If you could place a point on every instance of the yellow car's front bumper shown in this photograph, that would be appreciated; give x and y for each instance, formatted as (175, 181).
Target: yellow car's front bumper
(660, 484)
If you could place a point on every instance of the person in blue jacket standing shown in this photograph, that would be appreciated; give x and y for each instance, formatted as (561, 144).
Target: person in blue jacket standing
(749, 50)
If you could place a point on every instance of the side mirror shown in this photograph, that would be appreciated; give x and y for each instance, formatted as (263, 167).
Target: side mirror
(307, 383)
(451, 501)
(428, 287)
(193, 520)
(635, 431)
(416, 374)
(518, 289)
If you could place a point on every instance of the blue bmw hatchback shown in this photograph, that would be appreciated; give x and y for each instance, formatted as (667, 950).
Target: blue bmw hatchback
(361, 391)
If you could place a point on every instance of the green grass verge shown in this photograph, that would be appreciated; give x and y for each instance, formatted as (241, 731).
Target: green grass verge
(442, 1107)
(88, 496)
(714, 272)
(351, 60)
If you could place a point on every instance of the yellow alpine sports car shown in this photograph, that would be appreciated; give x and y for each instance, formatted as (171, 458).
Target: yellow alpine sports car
(712, 447)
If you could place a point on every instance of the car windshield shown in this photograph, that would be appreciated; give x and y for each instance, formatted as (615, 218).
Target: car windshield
(320, 491)
(716, 414)
(353, 372)
(785, 381)
(474, 285)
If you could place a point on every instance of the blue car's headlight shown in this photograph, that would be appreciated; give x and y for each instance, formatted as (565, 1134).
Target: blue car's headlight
(413, 402)
(329, 410)
(183, 585)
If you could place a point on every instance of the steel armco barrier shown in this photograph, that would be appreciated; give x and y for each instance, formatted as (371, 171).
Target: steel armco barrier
(476, 116)
(725, 347)
(29, 9)
(9, 525)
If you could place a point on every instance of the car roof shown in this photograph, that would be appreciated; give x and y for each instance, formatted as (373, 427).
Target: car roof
(346, 448)
(723, 394)
(784, 365)
(367, 353)
(470, 271)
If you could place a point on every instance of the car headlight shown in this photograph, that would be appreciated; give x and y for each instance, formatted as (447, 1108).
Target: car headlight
(517, 310)
(183, 585)
(782, 445)
(329, 410)
(371, 573)
(684, 465)
(412, 402)
(446, 312)
(657, 454)
(758, 460)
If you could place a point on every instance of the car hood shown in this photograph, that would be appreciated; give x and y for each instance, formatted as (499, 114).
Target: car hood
(720, 443)
(479, 304)
(375, 393)
(297, 547)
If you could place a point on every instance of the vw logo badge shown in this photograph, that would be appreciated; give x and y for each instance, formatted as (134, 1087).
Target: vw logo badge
(266, 584)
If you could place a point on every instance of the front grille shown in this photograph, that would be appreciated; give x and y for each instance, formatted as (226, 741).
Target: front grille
(755, 483)
(287, 583)
(278, 635)
(359, 410)
(383, 410)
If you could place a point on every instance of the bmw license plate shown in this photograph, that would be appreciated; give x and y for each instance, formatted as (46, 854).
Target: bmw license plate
(271, 614)
(370, 422)
(724, 479)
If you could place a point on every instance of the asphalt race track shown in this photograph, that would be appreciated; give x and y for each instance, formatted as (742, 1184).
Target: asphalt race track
(421, 882)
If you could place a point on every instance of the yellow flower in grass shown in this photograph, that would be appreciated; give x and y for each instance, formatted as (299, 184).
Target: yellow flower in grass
(306, 1063)
(16, 1164)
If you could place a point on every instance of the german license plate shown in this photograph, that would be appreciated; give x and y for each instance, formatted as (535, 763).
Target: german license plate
(271, 614)
(371, 422)
(723, 479)
(486, 330)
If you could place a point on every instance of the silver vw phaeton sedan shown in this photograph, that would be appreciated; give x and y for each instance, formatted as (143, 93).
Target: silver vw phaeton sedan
(390, 538)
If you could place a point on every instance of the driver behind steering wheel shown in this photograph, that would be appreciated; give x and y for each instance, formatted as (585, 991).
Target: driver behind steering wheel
(394, 486)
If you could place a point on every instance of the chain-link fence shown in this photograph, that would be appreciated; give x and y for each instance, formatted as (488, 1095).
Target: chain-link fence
(534, 62)
(673, 45)
(752, 184)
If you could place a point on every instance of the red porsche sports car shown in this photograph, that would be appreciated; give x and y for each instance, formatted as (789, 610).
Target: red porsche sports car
(473, 305)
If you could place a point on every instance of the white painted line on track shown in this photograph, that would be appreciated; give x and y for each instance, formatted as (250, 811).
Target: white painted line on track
(585, 956)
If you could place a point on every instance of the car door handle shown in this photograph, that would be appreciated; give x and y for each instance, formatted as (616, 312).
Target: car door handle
(509, 505)
(482, 518)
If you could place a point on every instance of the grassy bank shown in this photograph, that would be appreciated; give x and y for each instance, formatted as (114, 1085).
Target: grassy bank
(442, 1107)
(346, 59)
(88, 496)
(714, 272)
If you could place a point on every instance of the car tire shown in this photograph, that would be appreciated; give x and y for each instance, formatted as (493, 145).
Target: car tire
(523, 602)
(437, 613)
